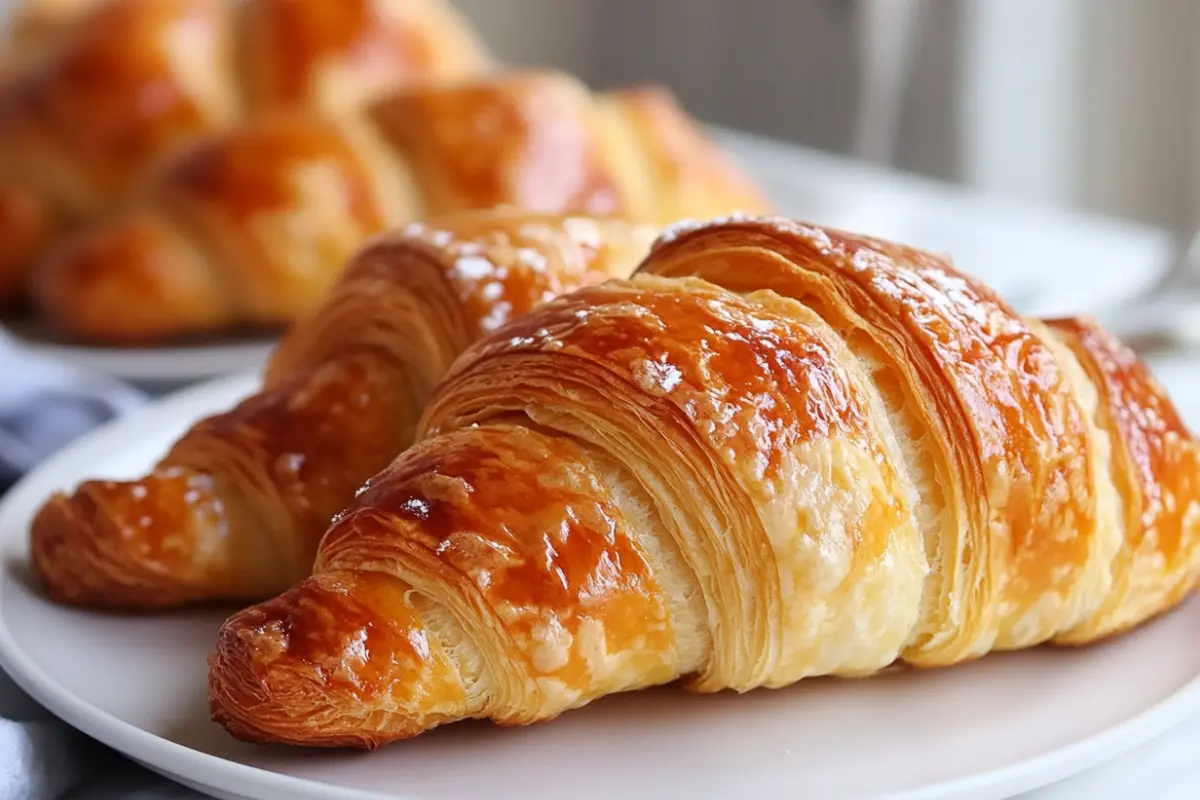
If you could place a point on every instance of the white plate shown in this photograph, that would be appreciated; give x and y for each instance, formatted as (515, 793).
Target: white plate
(1043, 260)
(991, 729)
(171, 365)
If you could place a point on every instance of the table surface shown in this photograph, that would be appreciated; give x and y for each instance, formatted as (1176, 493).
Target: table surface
(1092, 262)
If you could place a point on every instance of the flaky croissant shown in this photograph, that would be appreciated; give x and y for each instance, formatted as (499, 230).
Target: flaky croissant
(250, 228)
(235, 509)
(131, 81)
(779, 451)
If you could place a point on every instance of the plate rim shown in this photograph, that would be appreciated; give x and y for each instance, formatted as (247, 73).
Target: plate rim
(163, 364)
(231, 777)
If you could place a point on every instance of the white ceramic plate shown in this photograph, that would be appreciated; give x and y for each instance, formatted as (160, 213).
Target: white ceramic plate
(168, 365)
(992, 729)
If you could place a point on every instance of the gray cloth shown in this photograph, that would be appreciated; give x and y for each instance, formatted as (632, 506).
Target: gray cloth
(42, 758)
(45, 405)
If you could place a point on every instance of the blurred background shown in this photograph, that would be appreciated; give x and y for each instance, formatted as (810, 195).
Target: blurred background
(1084, 104)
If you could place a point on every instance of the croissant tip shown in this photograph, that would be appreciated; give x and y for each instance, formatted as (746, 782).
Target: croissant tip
(56, 562)
(261, 694)
(81, 558)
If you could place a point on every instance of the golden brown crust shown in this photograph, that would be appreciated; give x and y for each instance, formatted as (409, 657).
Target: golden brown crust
(318, 641)
(471, 272)
(139, 282)
(341, 399)
(561, 590)
(279, 206)
(734, 390)
(250, 227)
(136, 78)
(1014, 473)
(337, 56)
(525, 139)
(120, 92)
(1156, 469)
(779, 451)
(92, 548)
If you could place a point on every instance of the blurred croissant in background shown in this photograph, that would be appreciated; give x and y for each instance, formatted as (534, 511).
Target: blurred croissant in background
(250, 227)
(97, 91)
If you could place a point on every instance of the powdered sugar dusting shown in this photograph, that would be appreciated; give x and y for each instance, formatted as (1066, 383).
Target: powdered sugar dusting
(689, 225)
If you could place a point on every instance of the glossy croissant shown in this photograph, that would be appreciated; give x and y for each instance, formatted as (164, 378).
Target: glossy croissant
(778, 451)
(118, 85)
(250, 228)
(235, 509)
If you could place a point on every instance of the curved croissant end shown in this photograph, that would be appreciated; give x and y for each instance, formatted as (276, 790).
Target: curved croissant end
(299, 661)
(98, 547)
(234, 510)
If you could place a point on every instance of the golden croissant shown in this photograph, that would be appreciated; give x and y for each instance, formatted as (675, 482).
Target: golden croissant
(778, 451)
(105, 89)
(235, 510)
(251, 227)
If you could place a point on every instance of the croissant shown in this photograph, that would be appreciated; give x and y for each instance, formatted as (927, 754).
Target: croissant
(250, 228)
(778, 451)
(129, 82)
(235, 509)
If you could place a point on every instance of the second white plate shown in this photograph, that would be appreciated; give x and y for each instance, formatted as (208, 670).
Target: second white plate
(173, 365)
(991, 729)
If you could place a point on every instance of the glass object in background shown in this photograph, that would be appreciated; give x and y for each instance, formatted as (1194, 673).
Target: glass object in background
(887, 32)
